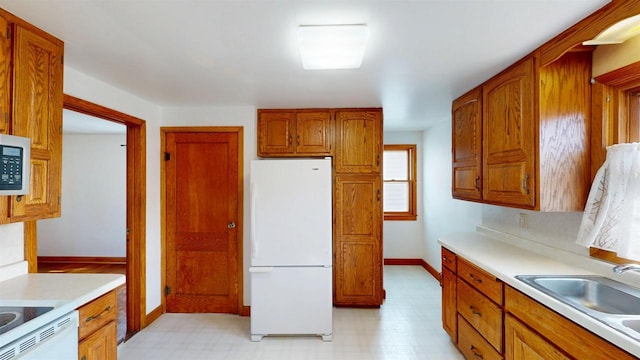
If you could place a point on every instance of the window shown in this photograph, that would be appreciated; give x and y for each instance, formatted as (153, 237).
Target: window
(399, 176)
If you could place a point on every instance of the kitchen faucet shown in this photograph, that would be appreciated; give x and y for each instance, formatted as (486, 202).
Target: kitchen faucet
(619, 269)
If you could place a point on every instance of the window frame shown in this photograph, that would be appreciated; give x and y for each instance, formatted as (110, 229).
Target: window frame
(412, 213)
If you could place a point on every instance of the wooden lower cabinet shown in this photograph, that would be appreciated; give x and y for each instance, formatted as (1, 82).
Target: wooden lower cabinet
(358, 240)
(483, 314)
(449, 312)
(522, 343)
(100, 344)
(472, 344)
(97, 332)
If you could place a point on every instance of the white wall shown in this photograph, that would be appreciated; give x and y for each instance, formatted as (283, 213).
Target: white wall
(87, 88)
(11, 244)
(94, 199)
(244, 116)
(442, 214)
(405, 239)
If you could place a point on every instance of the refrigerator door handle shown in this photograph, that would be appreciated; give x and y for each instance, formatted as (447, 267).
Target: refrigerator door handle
(254, 242)
(261, 269)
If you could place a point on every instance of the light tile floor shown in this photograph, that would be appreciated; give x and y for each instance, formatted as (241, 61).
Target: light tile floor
(407, 326)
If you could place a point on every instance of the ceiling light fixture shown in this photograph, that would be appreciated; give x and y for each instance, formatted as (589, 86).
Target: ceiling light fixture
(618, 32)
(332, 46)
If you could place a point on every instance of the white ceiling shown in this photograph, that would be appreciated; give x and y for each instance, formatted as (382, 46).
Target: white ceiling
(421, 54)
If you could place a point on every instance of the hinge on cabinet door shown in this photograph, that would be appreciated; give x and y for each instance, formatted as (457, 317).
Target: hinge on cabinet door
(8, 32)
(167, 290)
(167, 156)
(62, 59)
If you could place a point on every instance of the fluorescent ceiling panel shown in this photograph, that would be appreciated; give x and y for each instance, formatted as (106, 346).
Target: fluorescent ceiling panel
(332, 46)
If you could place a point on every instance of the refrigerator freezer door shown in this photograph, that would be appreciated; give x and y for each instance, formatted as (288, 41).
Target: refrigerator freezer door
(291, 212)
(292, 301)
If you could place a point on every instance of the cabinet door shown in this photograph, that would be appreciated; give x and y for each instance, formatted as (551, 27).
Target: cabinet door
(101, 345)
(275, 133)
(37, 114)
(358, 141)
(358, 240)
(521, 343)
(5, 76)
(314, 133)
(509, 137)
(449, 312)
(467, 146)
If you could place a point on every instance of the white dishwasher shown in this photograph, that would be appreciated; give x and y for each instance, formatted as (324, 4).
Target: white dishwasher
(58, 340)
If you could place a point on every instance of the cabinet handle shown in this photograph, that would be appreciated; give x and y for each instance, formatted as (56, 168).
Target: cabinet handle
(378, 196)
(91, 318)
(476, 353)
(298, 140)
(378, 160)
(444, 258)
(478, 280)
(524, 184)
(476, 183)
(84, 357)
(474, 311)
(290, 139)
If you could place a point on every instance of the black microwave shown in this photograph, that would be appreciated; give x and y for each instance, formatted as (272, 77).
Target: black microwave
(15, 164)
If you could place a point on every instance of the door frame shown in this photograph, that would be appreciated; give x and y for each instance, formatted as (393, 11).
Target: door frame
(136, 206)
(163, 190)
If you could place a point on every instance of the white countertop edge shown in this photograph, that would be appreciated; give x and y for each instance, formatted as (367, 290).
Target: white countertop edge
(505, 261)
(62, 304)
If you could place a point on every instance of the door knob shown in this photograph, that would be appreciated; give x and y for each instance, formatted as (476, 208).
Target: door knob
(231, 225)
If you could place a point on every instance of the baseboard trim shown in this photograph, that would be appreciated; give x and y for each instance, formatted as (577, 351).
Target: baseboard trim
(403, 261)
(431, 270)
(245, 311)
(82, 260)
(153, 316)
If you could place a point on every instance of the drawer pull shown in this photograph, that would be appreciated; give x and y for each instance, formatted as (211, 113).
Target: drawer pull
(474, 311)
(478, 280)
(91, 318)
(476, 353)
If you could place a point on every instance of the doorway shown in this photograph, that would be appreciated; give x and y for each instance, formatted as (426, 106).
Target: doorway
(202, 197)
(135, 208)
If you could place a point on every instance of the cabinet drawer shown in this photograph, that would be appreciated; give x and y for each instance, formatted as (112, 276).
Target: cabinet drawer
(472, 344)
(97, 313)
(449, 260)
(481, 280)
(483, 314)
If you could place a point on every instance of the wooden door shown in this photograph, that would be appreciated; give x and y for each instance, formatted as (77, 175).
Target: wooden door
(313, 133)
(449, 312)
(509, 137)
(358, 141)
(521, 343)
(202, 220)
(467, 146)
(37, 114)
(358, 245)
(276, 130)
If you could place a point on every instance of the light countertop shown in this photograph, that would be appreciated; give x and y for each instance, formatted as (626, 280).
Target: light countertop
(505, 261)
(64, 292)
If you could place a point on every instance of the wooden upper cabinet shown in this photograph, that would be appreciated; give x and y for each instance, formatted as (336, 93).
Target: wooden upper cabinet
(467, 146)
(5, 76)
(358, 141)
(37, 114)
(509, 154)
(294, 133)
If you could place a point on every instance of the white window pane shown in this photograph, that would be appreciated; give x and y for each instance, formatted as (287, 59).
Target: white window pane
(395, 165)
(396, 197)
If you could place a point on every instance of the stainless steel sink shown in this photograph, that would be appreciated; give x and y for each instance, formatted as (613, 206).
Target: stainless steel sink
(611, 302)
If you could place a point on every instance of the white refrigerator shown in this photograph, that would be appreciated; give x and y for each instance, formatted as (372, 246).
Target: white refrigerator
(291, 248)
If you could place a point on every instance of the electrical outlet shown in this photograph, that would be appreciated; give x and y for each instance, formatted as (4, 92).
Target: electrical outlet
(523, 220)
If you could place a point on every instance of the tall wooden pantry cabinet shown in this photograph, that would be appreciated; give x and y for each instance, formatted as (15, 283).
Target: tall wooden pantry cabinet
(354, 138)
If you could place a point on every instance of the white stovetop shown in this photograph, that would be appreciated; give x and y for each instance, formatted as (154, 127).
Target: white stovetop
(504, 260)
(64, 292)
